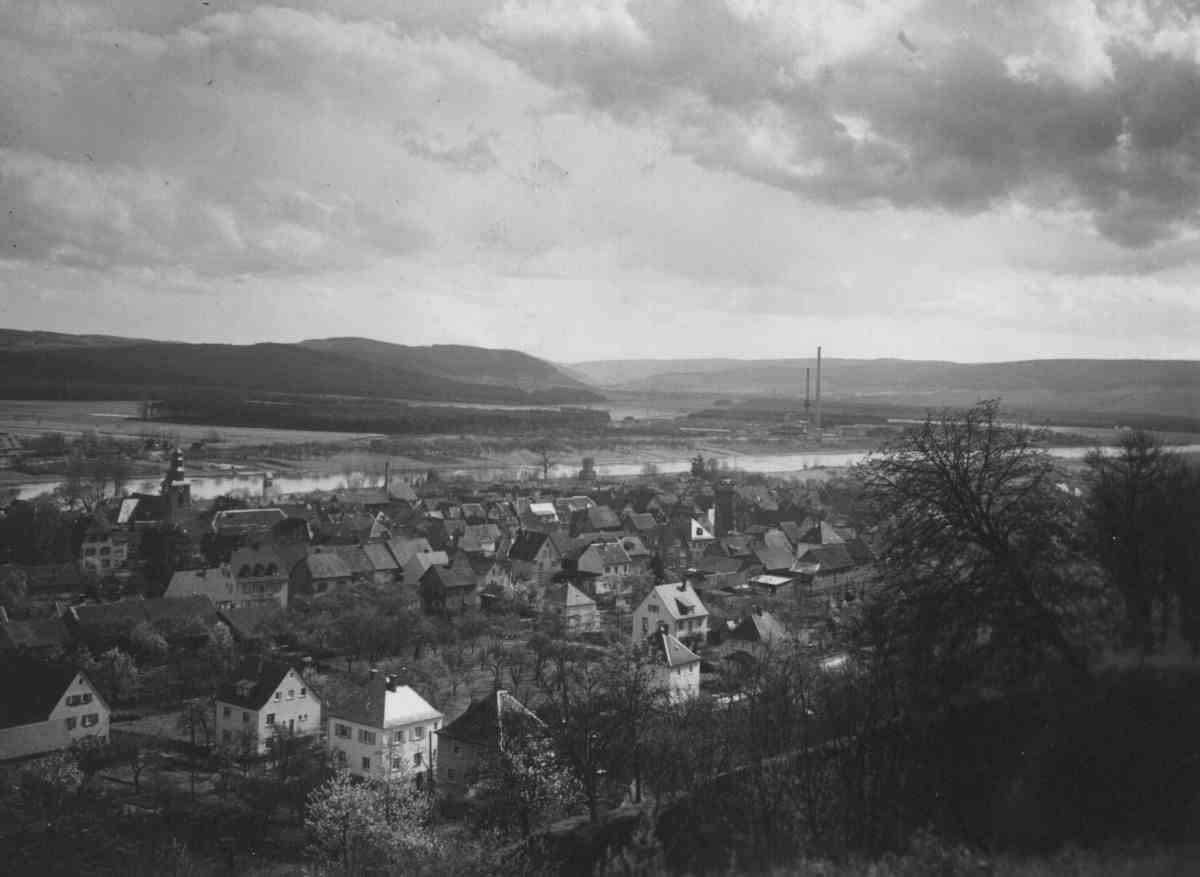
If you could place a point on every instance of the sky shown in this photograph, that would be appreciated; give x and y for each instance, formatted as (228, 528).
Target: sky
(971, 180)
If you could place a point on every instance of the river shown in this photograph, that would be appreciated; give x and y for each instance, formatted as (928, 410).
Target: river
(250, 483)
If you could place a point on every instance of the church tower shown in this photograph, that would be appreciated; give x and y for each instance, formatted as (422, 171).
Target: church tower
(176, 489)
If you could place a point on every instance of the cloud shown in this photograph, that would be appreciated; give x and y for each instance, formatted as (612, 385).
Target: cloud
(987, 103)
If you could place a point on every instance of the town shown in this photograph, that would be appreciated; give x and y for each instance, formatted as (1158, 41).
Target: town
(467, 673)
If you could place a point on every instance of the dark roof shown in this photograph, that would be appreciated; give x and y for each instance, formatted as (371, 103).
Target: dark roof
(666, 649)
(252, 683)
(326, 565)
(239, 520)
(774, 558)
(643, 521)
(354, 557)
(860, 552)
(488, 720)
(133, 612)
(526, 545)
(567, 596)
(35, 633)
(245, 621)
(31, 689)
(365, 704)
(602, 517)
(257, 562)
(380, 557)
(833, 558)
(759, 626)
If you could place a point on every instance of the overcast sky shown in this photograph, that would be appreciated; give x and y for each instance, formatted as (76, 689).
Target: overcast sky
(586, 179)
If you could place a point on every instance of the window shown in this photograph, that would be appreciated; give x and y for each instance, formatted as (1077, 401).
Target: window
(341, 756)
(418, 759)
(342, 731)
(225, 712)
(397, 762)
(653, 607)
(291, 694)
(367, 737)
(645, 624)
(91, 719)
(279, 695)
(303, 691)
(449, 773)
(226, 736)
(74, 700)
(366, 763)
(245, 717)
(270, 718)
(71, 722)
(457, 749)
(303, 718)
(418, 733)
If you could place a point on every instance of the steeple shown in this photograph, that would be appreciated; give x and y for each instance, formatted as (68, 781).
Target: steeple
(176, 489)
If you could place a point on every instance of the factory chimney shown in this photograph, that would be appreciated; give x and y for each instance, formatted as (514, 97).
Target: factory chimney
(807, 390)
(818, 394)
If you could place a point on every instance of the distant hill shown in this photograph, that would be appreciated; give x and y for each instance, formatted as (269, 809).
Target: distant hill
(53, 365)
(1117, 386)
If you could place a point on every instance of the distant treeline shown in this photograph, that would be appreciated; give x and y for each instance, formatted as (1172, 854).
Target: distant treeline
(366, 415)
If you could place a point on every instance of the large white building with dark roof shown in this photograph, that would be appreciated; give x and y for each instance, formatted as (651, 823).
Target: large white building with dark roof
(383, 730)
(263, 698)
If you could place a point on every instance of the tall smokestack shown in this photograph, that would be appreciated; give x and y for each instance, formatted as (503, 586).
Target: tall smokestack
(818, 394)
(807, 390)
(387, 477)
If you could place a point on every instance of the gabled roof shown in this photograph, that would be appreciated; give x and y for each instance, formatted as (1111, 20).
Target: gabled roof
(380, 557)
(403, 549)
(699, 530)
(381, 703)
(602, 517)
(561, 542)
(568, 596)
(832, 558)
(32, 689)
(252, 683)
(759, 626)
(642, 521)
(245, 621)
(217, 583)
(326, 565)
(527, 544)
(247, 519)
(34, 633)
(133, 612)
(774, 558)
(666, 649)
(680, 600)
(489, 720)
(544, 510)
(816, 531)
(634, 547)
(354, 557)
(473, 510)
(610, 553)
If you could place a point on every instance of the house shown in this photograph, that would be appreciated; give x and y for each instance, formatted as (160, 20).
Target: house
(47, 707)
(227, 590)
(103, 551)
(362, 570)
(453, 588)
(182, 620)
(41, 637)
(471, 742)
(403, 549)
(639, 554)
(261, 574)
(758, 627)
(385, 570)
(421, 561)
(263, 698)
(774, 561)
(676, 605)
(251, 624)
(383, 730)
(676, 668)
(603, 519)
(247, 522)
(537, 555)
(320, 573)
(576, 609)
(608, 563)
(773, 585)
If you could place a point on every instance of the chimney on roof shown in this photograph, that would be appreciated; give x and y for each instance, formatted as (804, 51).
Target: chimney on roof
(372, 673)
(818, 394)
(390, 682)
(682, 586)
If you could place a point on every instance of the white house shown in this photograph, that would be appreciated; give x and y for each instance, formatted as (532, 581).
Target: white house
(264, 698)
(676, 667)
(44, 707)
(384, 730)
(678, 606)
